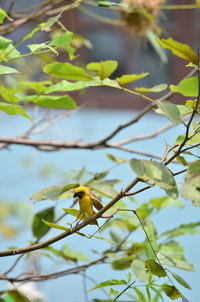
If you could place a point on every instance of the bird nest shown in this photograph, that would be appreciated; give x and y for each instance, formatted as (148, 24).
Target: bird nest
(140, 16)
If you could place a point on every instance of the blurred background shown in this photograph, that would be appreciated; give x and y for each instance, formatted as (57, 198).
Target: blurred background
(26, 170)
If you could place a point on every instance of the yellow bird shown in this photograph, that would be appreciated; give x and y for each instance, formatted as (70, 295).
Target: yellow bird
(87, 199)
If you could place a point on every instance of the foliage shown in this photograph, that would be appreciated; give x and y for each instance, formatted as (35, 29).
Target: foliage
(150, 262)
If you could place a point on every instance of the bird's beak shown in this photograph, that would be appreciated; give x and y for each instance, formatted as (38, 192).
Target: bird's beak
(76, 195)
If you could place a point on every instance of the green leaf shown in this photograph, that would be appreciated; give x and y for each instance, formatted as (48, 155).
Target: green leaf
(64, 40)
(124, 223)
(151, 35)
(61, 254)
(14, 109)
(138, 268)
(180, 280)
(69, 187)
(6, 70)
(191, 188)
(171, 291)
(104, 69)
(157, 173)
(104, 190)
(184, 109)
(155, 268)
(144, 210)
(115, 236)
(187, 87)
(181, 50)
(39, 86)
(111, 282)
(10, 52)
(115, 159)
(110, 83)
(195, 138)
(55, 226)
(139, 294)
(182, 160)
(191, 104)
(53, 101)
(78, 255)
(52, 192)
(184, 299)
(184, 265)
(17, 296)
(152, 235)
(4, 43)
(109, 182)
(9, 94)
(7, 49)
(172, 254)
(156, 88)
(69, 86)
(194, 167)
(158, 294)
(67, 71)
(7, 298)
(38, 227)
(67, 254)
(177, 263)
(122, 263)
(70, 211)
(104, 3)
(164, 202)
(129, 78)
(191, 192)
(105, 239)
(183, 229)
(42, 46)
(113, 292)
(170, 110)
(148, 293)
(46, 26)
(3, 15)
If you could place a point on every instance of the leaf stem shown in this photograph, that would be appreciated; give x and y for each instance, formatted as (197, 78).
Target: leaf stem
(124, 291)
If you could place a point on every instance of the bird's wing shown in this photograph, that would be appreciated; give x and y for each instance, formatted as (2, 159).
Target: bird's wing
(96, 202)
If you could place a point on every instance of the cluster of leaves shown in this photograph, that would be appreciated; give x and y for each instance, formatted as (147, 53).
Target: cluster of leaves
(148, 260)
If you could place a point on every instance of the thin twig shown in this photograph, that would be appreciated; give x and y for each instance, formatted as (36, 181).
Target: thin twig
(122, 292)
(48, 9)
(14, 265)
(186, 138)
(146, 136)
(127, 124)
(85, 287)
(134, 151)
(38, 239)
(38, 278)
(16, 24)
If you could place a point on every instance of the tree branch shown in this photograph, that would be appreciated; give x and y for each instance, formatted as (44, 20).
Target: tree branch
(59, 237)
(38, 278)
(49, 9)
(146, 136)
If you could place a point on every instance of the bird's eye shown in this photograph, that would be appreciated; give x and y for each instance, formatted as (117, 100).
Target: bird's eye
(81, 194)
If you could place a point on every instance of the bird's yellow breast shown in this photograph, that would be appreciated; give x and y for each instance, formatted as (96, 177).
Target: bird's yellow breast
(85, 204)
